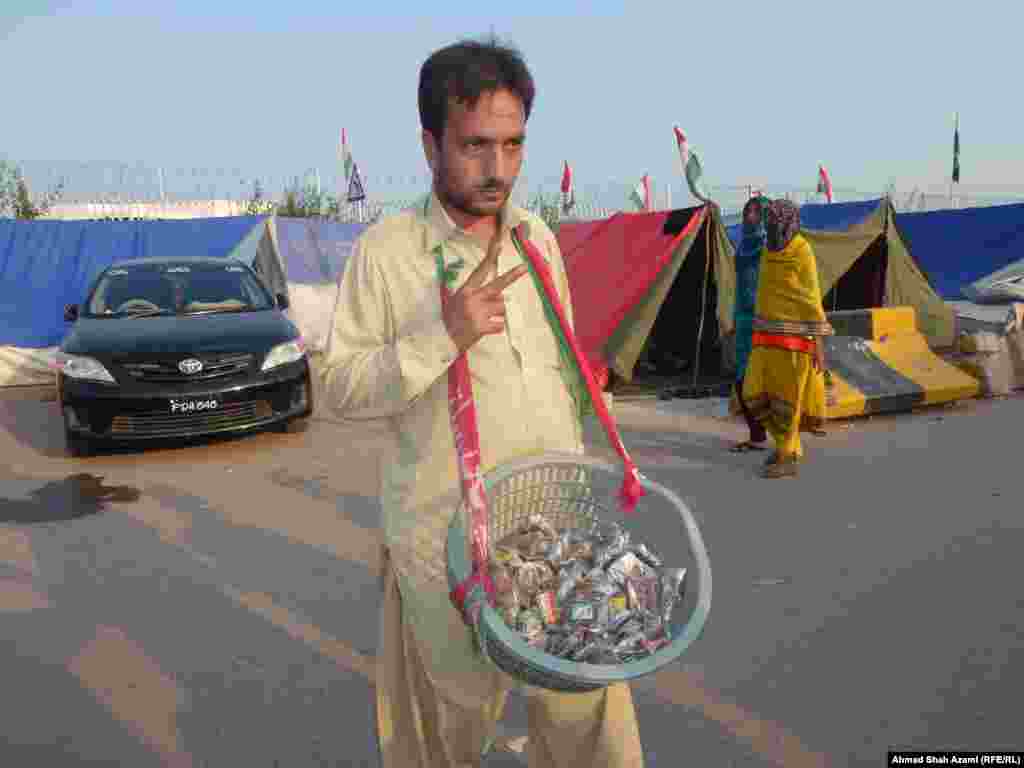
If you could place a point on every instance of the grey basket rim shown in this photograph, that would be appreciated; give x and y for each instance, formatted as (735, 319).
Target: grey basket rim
(459, 569)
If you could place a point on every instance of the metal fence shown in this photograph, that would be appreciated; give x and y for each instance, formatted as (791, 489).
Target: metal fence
(98, 190)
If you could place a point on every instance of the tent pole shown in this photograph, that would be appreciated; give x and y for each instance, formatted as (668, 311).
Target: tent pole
(703, 301)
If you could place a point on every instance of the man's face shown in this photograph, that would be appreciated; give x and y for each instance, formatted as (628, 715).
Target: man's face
(477, 161)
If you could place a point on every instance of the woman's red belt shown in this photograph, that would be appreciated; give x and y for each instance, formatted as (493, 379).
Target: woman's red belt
(795, 343)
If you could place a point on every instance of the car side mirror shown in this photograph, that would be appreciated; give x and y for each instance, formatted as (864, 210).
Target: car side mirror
(282, 301)
(70, 313)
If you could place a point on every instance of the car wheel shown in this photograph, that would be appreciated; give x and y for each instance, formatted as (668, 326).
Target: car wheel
(77, 445)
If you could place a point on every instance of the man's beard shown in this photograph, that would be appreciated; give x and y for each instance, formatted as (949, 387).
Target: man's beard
(464, 202)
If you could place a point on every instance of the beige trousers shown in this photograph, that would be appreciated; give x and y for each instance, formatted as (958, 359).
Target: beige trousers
(419, 728)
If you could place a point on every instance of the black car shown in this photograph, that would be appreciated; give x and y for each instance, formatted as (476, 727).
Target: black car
(175, 348)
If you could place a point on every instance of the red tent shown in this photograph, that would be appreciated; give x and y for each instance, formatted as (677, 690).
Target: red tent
(613, 263)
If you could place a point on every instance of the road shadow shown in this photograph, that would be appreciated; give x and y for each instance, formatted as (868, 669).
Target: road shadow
(73, 497)
(360, 509)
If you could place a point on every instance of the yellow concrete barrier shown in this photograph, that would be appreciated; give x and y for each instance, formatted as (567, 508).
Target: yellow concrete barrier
(879, 363)
(874, 324)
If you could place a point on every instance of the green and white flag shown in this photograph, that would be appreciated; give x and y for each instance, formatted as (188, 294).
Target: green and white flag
(641, 195)
(692, 169)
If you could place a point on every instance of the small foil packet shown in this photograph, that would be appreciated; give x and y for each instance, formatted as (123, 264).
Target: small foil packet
(606, 553)
(645, 590)
(673, 581)
(618, 605)
(548, 607)
(597, 584)
(539, 524)
(651, 559)
(588, 611)
(532, 578)
(626, 565)
(506, 555)
(568, 579)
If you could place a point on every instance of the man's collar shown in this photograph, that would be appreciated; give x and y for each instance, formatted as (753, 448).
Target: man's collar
(440, 227)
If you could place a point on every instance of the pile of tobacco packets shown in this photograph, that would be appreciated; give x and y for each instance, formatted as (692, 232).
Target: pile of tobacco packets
(587, 595)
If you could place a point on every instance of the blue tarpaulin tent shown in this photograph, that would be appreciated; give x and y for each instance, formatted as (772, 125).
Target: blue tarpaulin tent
(958, 247)
(47, 264)
(828, 217)
(312, 254)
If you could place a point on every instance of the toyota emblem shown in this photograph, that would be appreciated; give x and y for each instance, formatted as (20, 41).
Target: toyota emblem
(190, 366)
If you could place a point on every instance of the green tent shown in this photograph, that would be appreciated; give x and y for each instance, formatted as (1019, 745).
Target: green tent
(667, 279)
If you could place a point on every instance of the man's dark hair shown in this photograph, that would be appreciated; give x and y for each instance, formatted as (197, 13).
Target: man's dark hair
(462, 72)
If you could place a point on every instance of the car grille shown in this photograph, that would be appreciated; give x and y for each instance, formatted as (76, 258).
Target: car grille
(166, 371)
(161, 423)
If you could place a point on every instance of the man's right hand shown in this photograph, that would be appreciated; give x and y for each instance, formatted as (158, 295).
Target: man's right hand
(476, 309)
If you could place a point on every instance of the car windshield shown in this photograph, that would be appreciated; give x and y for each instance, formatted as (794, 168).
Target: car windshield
(177, 289)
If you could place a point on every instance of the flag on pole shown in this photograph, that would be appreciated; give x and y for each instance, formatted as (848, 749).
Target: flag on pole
(356, 192)
(346, 156)
(824, 183)
(956, 149)
(641, 195)
(692, 170)
(568, 190)
(684, 147)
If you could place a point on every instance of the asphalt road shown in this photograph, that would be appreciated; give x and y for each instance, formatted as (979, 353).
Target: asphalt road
(216, 604)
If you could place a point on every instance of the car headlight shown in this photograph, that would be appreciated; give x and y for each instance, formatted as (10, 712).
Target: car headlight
(84, 368)
(282, 354)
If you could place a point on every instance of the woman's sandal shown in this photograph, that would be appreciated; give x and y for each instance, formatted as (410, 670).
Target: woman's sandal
(785, 468)
(746, 447)
(774, 459)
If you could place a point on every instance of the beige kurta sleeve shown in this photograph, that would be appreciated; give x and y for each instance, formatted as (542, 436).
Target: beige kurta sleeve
(368, 371)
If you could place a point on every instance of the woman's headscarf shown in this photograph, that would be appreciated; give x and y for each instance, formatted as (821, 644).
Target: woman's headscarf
(781, 223)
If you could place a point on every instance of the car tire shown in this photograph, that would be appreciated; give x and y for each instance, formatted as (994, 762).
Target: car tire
(78, 446)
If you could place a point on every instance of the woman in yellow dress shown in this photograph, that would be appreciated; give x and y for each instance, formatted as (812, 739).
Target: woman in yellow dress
(784, 384)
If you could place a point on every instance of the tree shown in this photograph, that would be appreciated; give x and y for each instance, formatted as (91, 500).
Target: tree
(257, 205)
(548, 210)
(307, 202)
(15, 198)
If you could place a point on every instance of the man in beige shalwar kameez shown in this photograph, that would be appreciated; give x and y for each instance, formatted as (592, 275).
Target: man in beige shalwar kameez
(388, 356)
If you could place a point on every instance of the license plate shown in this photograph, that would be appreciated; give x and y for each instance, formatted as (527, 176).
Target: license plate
(194, 405)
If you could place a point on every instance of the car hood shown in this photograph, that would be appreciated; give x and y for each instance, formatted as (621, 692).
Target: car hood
(175, 335)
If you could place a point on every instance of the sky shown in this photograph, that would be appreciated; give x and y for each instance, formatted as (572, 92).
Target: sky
(764, 91)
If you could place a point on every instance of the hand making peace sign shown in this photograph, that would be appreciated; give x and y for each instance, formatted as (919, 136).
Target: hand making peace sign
(476, 310)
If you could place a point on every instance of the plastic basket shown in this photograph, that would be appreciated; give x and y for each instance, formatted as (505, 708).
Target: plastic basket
(570, 490)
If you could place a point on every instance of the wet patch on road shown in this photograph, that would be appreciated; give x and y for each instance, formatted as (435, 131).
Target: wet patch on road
(76, 496)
